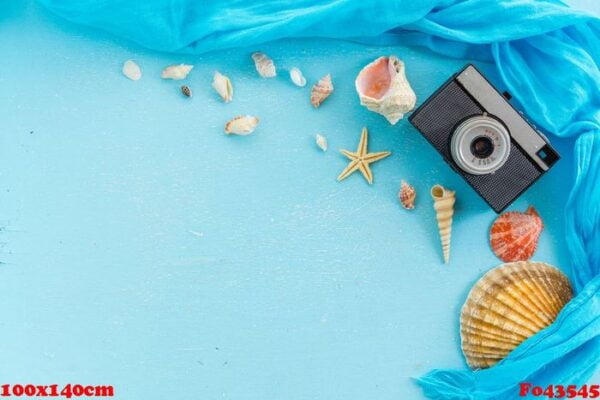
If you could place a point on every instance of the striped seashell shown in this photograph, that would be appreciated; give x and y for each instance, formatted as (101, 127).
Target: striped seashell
(443, 203)
(506, 306)
(407, 195)
(514, 235)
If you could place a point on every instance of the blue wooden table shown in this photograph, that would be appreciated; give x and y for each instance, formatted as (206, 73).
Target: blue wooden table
(145, 249)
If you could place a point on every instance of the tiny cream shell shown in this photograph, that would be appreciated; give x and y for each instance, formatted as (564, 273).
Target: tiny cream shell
(407, 195)
(241, 125)
(297, 77)
(132, 70)
(321, 91)
(264, 65)
(223, 87)
(321, 142)
(176, 72)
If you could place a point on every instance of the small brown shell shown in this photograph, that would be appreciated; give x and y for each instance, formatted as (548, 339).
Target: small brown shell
(507, 305)
(321, 91)
(407, 195)
(186, 91)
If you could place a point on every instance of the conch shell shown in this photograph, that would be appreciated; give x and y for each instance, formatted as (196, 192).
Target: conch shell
(514, 235)
(443, 203)
(507, 305)
(176, 72)
(407, 195)
(321, 91)
(383, 88)
(241, 125)
(264, 65)
(223, 87)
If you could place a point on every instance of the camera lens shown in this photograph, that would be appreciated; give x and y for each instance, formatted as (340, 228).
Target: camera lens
(482, 147)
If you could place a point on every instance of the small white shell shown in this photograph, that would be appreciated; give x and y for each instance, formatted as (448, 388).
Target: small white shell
(223, 87)
(321, 142)
(241, 125)
(132, 70)
(264, 65)
(297, 77)
(176, 72)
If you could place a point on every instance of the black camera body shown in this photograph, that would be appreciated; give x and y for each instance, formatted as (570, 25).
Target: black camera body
(484, 138)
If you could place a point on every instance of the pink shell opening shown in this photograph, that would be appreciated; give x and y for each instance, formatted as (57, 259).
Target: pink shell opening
(374, 81)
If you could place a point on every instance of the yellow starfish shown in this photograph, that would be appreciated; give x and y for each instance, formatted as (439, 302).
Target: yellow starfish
(360, 160)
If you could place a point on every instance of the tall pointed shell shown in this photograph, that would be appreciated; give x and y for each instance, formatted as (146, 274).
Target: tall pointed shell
(383, 88)
(407, 195)
(506, 306)
(176, 72)
(264, 65)
(321, 91)
(223, 87)
(443, 203)
(514, 235)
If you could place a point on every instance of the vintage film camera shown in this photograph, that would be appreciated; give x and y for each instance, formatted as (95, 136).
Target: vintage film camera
(484, 138)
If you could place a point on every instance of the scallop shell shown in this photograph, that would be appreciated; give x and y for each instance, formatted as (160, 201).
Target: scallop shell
(242, 125)
(223, 87)
(443, 203)
(407, 195)
(321, 91)
(264, 65)
(132, 70)
(383, 88)
(297, 77)
(176, 72)
(506, 306)
(321, 142)
(514, 235)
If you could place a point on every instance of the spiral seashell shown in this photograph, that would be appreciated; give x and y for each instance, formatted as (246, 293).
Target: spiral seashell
(264, 65)
(222, 86)
(506, 306)
(176, 72)
(514, 235)
(382, 87)
(321, 91)
(241, 125)
(407, 195)
(443, 203)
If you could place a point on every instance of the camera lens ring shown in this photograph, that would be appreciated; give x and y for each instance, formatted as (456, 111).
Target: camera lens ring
(472, 129)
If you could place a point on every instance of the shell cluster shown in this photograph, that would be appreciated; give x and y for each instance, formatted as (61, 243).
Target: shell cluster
(514, 235)
(382, 87)
(507, 305)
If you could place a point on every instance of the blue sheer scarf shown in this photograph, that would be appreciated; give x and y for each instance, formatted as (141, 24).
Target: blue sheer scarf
(548, 56)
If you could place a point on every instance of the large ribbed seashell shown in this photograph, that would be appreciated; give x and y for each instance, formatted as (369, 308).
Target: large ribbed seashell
(383, 88)
(264, 65)
(506, 306)
(514, 235)
(443, 203)
(321, 91)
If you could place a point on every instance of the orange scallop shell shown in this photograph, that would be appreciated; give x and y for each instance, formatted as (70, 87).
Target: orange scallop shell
(514, 235)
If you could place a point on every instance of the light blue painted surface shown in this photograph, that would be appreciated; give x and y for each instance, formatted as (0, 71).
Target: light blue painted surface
(145, 249)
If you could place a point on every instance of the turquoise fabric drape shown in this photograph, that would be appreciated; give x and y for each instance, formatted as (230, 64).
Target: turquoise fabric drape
(548, 56)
